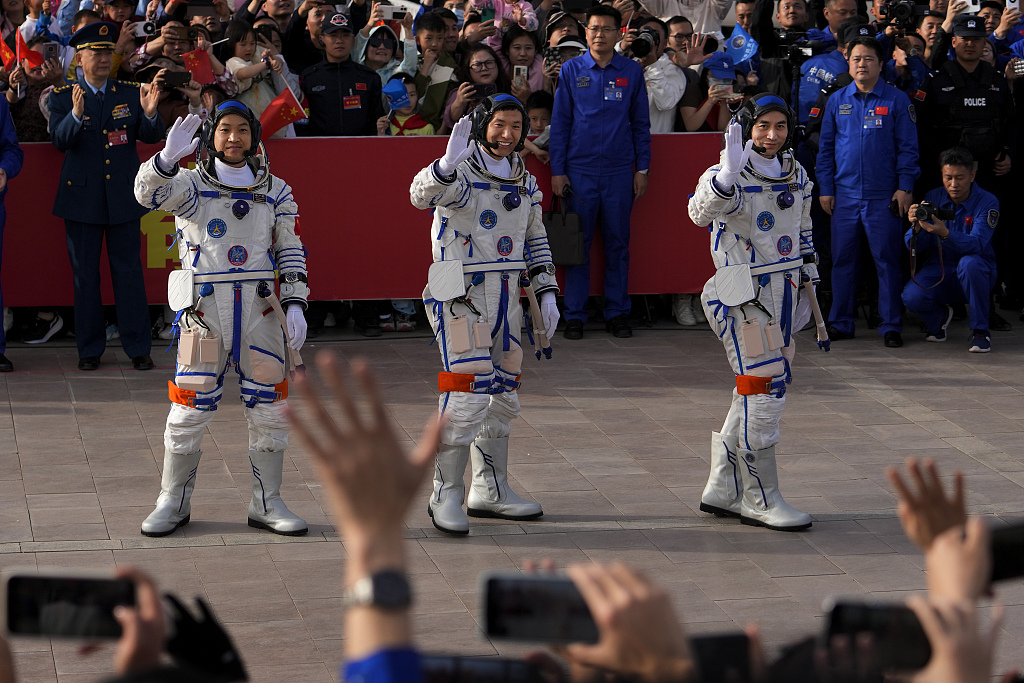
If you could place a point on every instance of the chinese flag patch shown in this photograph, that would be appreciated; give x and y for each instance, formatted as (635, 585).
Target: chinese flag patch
(919, 96)
(815, 111)
(621, 82)
(360, 86)
(881, 111)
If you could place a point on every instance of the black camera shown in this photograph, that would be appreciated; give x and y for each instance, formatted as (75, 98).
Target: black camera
(925, 211)
(903, 13)
(647, 39)
(795, 48)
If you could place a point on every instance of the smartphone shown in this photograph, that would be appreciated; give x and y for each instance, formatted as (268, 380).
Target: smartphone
(973, 6)
(900, 642)
(724, 657)
(176, 79)
(51, 51)
(392, 13)
(542, 609)
(485, 89)
(57, 604)
(441, 669)
(486, 14)
(520, 73)
(144, 29)
(1013, 4)
(1008, 542)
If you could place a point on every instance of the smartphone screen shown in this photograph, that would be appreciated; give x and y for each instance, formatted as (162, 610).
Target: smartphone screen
(1008, 552)
(521, 73)
(442, 669)
(722, 658)
(66, 607)
(900, 641)
(537, 609)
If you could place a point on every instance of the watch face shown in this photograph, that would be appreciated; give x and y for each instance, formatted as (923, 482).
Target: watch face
(390, 590)
(543, 278)
(287, 290)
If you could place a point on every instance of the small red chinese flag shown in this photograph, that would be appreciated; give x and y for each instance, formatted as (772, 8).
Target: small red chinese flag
(283, 110)
(198, 62)
(34, 58)
(7, 54)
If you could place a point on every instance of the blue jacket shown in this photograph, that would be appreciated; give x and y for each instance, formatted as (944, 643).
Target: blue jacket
(97, 178)
(601, 122)
(818, 73)
(970, 232)
(11, 155)
(868, 144)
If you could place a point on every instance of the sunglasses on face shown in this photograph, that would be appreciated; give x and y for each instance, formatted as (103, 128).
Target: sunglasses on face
(378, 41)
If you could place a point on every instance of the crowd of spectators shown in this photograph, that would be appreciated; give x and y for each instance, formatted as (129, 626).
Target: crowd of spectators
(956, 71)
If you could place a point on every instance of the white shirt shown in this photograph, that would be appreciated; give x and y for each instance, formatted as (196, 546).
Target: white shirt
(235, 177)
(665, 86)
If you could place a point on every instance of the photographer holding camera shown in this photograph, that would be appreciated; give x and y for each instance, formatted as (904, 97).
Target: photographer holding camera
(952, 256)
(666, 82)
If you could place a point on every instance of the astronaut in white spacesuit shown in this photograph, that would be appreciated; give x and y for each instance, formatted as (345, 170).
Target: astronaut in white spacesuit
(758, 209)
(487, 233)
(235, 225)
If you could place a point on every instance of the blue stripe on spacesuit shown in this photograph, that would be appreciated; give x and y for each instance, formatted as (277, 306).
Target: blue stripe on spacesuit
(736, 343)
(195, 259)
(502, 314)
(746, 438)
(787, 308)
(269, 353)
(471, 360)
(284, 214)
(444, 224)
(236, 341)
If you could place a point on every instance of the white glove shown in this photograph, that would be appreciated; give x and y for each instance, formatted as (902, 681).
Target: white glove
(296, 326)
(458, 147)
(549, 313)
(181, 140)
(736, 155)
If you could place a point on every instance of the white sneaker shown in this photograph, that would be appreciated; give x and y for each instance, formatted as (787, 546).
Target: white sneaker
(166, 332)
(112, 332)
(698, 311)
(682, 309)
(8, 319)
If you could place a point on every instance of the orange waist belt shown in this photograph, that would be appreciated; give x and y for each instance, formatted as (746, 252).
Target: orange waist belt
(187, 397)
(747, 385)
(455, 381)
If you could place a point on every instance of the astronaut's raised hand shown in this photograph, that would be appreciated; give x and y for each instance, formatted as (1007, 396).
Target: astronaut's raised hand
(181, 140)
(458, 146)
(296, 326)
(549, 313)
(735, 157)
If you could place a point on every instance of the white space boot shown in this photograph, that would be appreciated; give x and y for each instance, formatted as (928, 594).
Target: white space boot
(267, 510)
(173, 507)
(725, 486)
(490, 495)
(762, 503)
(682, 310)
(445, 507)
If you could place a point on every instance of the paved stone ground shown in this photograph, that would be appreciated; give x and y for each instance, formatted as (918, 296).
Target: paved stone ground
(613, 440)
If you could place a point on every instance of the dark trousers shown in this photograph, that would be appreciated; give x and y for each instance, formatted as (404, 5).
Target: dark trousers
(608, 199)
(3, 221)
(124, 242)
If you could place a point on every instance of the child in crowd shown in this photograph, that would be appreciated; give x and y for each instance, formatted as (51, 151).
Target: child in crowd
(405, 121)
(506, 15)
(260, 82)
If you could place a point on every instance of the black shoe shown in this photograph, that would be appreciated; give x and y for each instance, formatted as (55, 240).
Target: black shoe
(574, 329)
(142, 363)
(619, 327)
(998, 323)
(367, 328)
(41, 330)
(835, 334)
(5, 364)
(90, 363)
(893, 340)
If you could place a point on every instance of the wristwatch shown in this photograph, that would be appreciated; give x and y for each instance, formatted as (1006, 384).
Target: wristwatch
(543, 273)
(293, 277)
(386, 589)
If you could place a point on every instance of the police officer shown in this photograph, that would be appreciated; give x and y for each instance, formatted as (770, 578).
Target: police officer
(954, 260)
(967, 103)
(867, 160)
(344, 96)
(96, 123)
(601, 153)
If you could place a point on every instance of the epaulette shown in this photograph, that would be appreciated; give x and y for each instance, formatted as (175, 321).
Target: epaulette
(135, 84)
(63, 87)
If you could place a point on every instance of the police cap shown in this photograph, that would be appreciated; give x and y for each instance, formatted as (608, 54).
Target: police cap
(969, 26)
(101, 35)
(857, 31)
(335, 22)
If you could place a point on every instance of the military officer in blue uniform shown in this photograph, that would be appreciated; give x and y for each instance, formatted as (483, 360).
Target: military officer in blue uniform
(96, 123)
(867, 166)
(966, 271)
(600, 157)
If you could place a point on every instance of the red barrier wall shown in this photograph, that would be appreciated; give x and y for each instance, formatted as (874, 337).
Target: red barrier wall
(365, 239)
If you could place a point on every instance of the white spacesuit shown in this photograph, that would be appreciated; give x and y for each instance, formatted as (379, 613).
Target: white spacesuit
(758, 210)
(235, 226)
(487, 232)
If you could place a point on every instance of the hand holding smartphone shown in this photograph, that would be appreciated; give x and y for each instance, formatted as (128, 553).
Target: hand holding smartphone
(57, 604)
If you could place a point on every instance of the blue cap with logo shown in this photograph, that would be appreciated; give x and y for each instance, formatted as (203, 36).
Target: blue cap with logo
(721, 65)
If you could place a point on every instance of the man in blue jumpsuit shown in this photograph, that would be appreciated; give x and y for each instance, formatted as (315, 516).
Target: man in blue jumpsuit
(600, 156)
(867, 160)
(96, 124)
(967, 270)
(10, 165)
